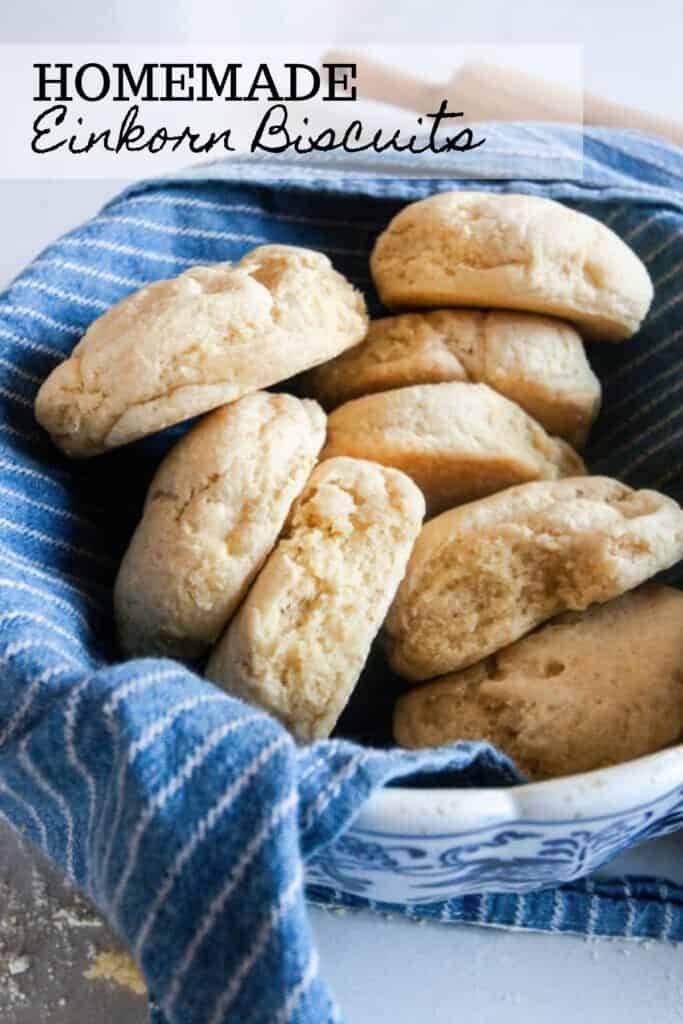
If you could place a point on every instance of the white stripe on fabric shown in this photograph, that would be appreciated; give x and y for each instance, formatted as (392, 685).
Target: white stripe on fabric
(559, 906)
(43, 318)
(170, 229)
(32, 769)
(615, 215)
(25, 435)
(31, 811)
(63, 513)
(520, 909)
(131, 686)
(278, 912)
(324, 760)
(211, 234)
(11, 558)
(634, 396)
(120, 694)
(127, 250)
(153, 731)
(199, 834)
(29, 696)
(86, 271)
(80, 766)
(658, 447)
(483, 909)
(59, 293)
(145, 740)
(253, 848)
(665, 897)
(333, 787)
(593, 909)
(653, 429)
(286, 218)
(552, 143)
(192, 763)
(60, 602)
(638, 230)
(644, 356)
(630, 910)
(20, 470)
(676, 269)
(669, 475)
(44, 538)
(318, 765)
(22, 646)
(295, 997)
(31, 346)
(667, 307)
(662, 247)
(14, 396)
(41, 621)
(32, 377)
(643, 410)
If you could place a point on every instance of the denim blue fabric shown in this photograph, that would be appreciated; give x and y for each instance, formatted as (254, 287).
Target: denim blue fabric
(184, 814)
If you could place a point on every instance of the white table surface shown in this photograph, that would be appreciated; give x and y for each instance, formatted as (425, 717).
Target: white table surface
(394, 970)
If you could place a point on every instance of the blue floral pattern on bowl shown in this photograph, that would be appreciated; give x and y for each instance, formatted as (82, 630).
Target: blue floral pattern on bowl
(511, 856)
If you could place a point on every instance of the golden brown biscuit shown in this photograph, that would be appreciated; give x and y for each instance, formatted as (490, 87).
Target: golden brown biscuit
(213, 513)
(483, 575)
(178, 348)
(301, 638)
(584, 691)
(512, 252)
(537, 361)
(457, 441)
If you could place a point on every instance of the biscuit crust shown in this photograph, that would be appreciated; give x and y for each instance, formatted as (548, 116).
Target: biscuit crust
(213, 513)
(181, 347)
(512, 252)
(458, 442)
(483, 575)
(584, 691)
(301, 638)
(538, 362)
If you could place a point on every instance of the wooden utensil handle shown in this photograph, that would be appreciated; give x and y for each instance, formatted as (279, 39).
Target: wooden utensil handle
(489, 92)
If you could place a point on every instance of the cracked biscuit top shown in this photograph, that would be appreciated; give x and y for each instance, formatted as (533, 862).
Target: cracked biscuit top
(482, 575)
(178, 348)
(213, 513)
(300, 639)
(457, 441)
(538, 362)
(512, 252)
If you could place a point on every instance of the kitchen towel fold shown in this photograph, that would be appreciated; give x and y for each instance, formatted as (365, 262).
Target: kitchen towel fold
(186, 816)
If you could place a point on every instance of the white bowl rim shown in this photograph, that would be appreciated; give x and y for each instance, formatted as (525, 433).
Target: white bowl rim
(605, 792)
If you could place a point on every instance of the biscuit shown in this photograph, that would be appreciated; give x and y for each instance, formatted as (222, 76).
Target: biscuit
(483, 575)
(178, 348)
(536, 361)
(212, 515)
(299, 642)
(584, 691)
(512, 252)
(457, 441)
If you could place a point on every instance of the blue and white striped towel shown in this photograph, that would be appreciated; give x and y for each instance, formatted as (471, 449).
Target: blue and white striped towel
(185, 815)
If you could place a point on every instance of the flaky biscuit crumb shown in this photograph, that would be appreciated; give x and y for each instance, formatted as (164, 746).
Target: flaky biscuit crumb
(301, 638)
(483, 575)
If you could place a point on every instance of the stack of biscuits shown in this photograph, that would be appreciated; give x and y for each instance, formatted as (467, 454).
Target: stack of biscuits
(280, 539)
